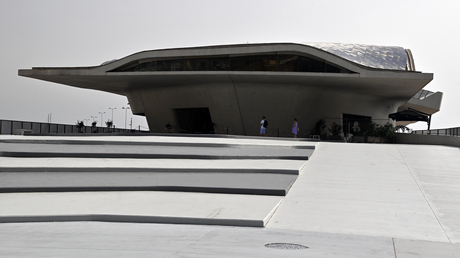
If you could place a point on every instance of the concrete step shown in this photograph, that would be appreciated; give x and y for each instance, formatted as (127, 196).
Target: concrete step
(226, 183)
(149, 165)
(259, 142)
(108, 150)
(139, 207)
(179, 180)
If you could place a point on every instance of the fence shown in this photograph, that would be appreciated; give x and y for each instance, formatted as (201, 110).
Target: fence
(10, 126)
(442, 132)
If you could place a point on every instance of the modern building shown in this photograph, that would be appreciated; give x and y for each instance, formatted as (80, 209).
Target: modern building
(228, 88)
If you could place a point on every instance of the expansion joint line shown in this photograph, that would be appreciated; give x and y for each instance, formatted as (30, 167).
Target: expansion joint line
(424, 196)
(238, 103)
(394, 247)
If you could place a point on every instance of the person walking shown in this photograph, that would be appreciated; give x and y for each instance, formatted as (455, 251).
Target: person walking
(295, 128)
(263, 126)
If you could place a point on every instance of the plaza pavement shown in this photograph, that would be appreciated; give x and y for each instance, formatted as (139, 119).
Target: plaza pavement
(345, 200)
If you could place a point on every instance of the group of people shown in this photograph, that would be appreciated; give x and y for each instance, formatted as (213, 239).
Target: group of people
(264, 124)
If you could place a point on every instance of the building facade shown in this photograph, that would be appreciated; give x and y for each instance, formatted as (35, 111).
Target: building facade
(228, 88)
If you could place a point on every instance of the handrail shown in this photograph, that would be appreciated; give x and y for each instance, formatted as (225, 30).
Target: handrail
(455, 131)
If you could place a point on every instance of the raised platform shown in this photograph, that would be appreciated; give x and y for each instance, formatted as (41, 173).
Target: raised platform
(348, 200)
(211, 181)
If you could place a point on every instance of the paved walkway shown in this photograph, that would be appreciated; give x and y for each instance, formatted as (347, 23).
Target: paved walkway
(93, 239)
(349, 200)
(404, 191)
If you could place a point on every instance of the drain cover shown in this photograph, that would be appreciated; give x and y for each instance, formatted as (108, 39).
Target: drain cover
(286, 246)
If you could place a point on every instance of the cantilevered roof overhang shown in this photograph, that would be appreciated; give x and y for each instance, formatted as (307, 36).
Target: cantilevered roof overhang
(382, 82)
(410, 115)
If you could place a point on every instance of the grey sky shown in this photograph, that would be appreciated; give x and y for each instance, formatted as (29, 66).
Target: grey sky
(56, 33)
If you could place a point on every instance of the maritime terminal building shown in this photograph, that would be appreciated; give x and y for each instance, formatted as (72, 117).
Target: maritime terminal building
(228, 88)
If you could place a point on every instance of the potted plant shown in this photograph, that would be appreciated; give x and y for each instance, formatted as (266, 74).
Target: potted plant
(169, 127)
(372, 133)
(320, 129)
(79, 126)
(387, 132)
(335, 130)
(109, 124)
(93, 127)
(359, 132)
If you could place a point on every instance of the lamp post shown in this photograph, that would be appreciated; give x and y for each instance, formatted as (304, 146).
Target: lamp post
(84, 124)
(126, 113)
(112, 112)
(102, 120)
(93, 117)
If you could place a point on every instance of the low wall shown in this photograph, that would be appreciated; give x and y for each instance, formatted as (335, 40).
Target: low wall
(21, 127)
(406, 138)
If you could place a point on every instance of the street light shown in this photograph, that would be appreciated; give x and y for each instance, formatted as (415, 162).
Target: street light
(84, 125)
(102, 120)
(93, 117)
(112, 112)
(126, 113)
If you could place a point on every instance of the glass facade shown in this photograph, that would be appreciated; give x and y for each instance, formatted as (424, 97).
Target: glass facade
(381, 57)
(269, 62)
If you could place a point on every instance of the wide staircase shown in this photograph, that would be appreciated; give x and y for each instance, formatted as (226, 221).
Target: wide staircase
(237, 181)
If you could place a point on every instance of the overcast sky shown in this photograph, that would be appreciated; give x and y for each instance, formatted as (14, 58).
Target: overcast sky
(58, 33)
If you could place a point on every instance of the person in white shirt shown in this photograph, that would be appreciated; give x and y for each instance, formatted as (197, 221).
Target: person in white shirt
(262, 128)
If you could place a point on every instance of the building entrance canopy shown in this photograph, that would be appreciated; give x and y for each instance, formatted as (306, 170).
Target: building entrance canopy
(410, 115)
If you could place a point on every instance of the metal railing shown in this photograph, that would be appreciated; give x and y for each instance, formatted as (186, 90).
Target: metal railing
(442, 132)
(12, 126)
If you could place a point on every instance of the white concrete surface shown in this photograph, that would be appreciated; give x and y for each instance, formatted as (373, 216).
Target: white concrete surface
(91, 239)
(290, 166)
(425, 249)
(246, 142)
(350, 200)
(403, 191)
(436, 170)
(165, 207)
(209, 182)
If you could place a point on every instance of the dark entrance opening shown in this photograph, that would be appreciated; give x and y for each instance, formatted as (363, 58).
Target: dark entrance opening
(194, 120)
(355, 124)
